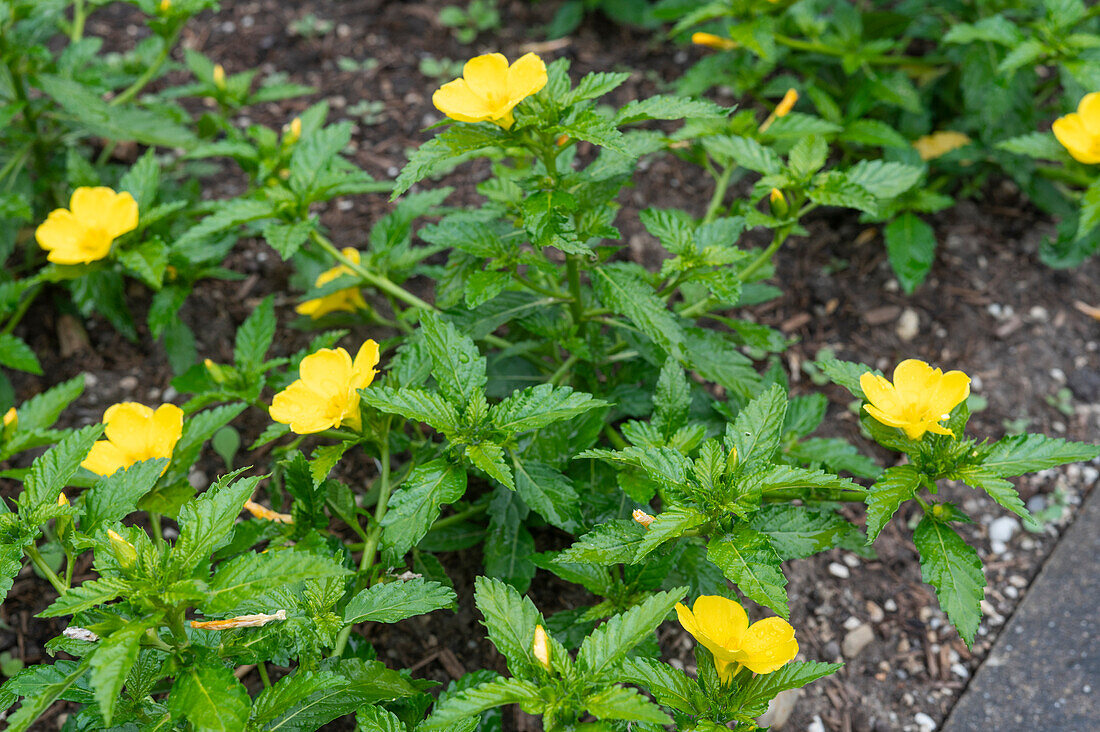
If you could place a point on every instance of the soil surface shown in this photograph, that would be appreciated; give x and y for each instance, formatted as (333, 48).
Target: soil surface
(989, 308)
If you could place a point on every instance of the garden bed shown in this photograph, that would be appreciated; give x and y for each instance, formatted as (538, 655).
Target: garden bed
(989, 308)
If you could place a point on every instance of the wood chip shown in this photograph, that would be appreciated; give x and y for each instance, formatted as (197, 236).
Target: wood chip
(795, 322)
(881, 316)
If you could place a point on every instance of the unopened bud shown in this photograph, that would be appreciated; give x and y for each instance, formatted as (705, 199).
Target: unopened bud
(284, 173)
(63, 523)
(786, 104)
(62, 500)
(241, 621)
(219, 76)
(262, 512)
(216, 372)
(11, 423)
(938, 510)
(642, 517)
(712, 41)
(562, 139)
(165, 6)
(124, 551)
(778, 204)
(731, 459)
(541, 647)
(294, 131)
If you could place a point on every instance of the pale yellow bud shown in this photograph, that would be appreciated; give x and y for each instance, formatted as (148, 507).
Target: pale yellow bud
(215, 371)
(241, 621)
(642, 517)
(262, 512)
(219, 76)
(165, 6)
(62, 500)
(294, 131)
(778, 203)
(541, 647)
(712, 41)
(11, 417)
(786, 104)
(124, 551)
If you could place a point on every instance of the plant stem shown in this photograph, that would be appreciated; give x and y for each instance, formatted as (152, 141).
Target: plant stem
(765, 256)
(716, 200)
(378, 281)
(21, 310)
(573, 273)
(79, 16)
(558, 375)
(36, 557)
(615, 438)
(261, 667)
(150, 73)
(461, 516)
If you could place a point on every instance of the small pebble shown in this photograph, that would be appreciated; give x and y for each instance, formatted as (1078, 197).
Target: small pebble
(959, 670)
(851, 560)
(128, 383)
(852, 623)
(856, 640)
(837, 569)
(890, 606)
(1037, 503)
(908, 325)
(875, 612)
(1001, 531)
(816, 726)
(924, 722)
(198, 480)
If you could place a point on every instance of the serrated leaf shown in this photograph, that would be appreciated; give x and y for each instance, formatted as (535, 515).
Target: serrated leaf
(746, 152)
(394, 601)
(911, 247)
(619, 702)
(757, 430)
(205, 522)
(415, 506)
(609, 644)
(510, 620)
(472, 702)
(547, 220)
(670, 523)
(798, 532)
(489, 456)
(416, 404)
(16, 354)
(287, 239)
(34, 704)
(548, 492)
(885, 179)
(747, 558)
(594, 85)
(111, 662)
(1018, 454)
(243, 578)
(539, 406)
(290, 692)
(457, 365)
(624, 292)
(42, 410)
(116, 496)
(953, 567)
(762, 688)
(51, 471)
(897, 484)
(668, 685)
(86, 596)
(435, 154)
(228, 215)
(1001, 491)
(1036, 145)
(254, 337)
(210, 697)
(614, 542)
(508, 545)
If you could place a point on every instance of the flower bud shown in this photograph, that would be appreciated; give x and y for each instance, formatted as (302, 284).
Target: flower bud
(541, 647)
(262, 512)
(642, 517)
(165, 6)
(216, 372)
(11, 423)
(294, 131)
(712, 41)
(786, 104)
(780, 207)
(219, 77)
(562, 139)
(63, 523)
(938, 510)
(731, 459)
(123, 550)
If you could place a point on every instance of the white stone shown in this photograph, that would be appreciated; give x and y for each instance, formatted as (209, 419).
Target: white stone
(856, 640)
(890, 606)
(780, 709)
(852, 623)
(816, 726)
(908, 325)
(959, 670)
(1002, 529)
(837, 569)
(924, 722)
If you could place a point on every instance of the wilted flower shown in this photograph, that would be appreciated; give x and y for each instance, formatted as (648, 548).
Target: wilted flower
(642, 517)
(78, 633)
(241, 621)
(541, 647)
(84, 232)
(712, 41)
(722, 627)
(134, 433)
(918, 400)
(348, 299)
(786, 104)
(262, 512)
(326, 394)
(489, 88)
(1079, 132)
(930, 147)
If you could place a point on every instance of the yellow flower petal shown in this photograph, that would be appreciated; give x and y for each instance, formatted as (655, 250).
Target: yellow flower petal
(101, 208)
(885, 417)
(487, 76)
(68, 241)
(456, 100)
(912, 378)
(167, 424)
(721, 620)
(327, 371)
(1088, 109)
(363, 370)
(951, 391)
(767, 645)
(526, 76)
(128, 428)
(1070, 131)
(879, 391)
(104, 459)
(302, 409)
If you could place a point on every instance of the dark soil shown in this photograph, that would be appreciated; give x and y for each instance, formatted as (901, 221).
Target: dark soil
(989, 308)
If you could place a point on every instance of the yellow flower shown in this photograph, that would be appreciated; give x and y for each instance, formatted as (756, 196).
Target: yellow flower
(722, 627)
(265, 513)
(241, 621)
(1079, 132)
(919, 398)
(489, 89)
(134, 433)
(710, 40)
(349, 299)
(83, 232)
(541, 647)
(939, 143)
(786, 104)
(326, 394)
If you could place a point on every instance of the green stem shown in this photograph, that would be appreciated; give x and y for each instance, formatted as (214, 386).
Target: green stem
(766, 255)
(556, 377)
(154, 523)
(378, 281)
(573, 273)
(21, 310)
(615, 438)
(36, 557)
(716, 200)
(261, 667)
(79, 16)
(150, 73)
(461, 516)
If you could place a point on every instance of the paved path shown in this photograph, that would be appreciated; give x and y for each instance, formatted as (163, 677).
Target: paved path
(1043, 674)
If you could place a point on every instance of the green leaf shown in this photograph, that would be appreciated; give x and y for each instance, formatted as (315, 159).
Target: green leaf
(86, 596)
(510, 620)
(287, 239)
(254, 337)
(417, 404)
(197, 429)
(51, 471)
(717, 359)
(623, 291)
(550, 493)
(228, 215)
(490, 457)
(547, 220)
(415, 506)
(745, 152)
(205, 522)
(663, 106)
(539, 406)
(672, 397)
(289, 693)
(457, 365)
(993, 29)
(808, 156)
(846, 374)
(611, 642)
(1018, 454)
(670, 523)
(210, 697)
(16, 354)
(1036, 145)
(619, 702)
(897, 484)
(306, 489)
(42, 410)
(594, 85)
(240, 580)
(1090, 210)
(885, 179)
(436, 154)
(394, 601)
(591, 126)
(952, 566)
(377, 719)
(508, 545)
(11, 562)
(147, 260)
(111, 662)
(748, 559)
(757, 430)
(340, 687)
(467, 703)
(911, 247)
(669, 686)
(1001, 491)
(874, 133)
(36, 703)
(762, 688)
(833, 188)
(798, 532)
(615, 542)
(116, 496)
